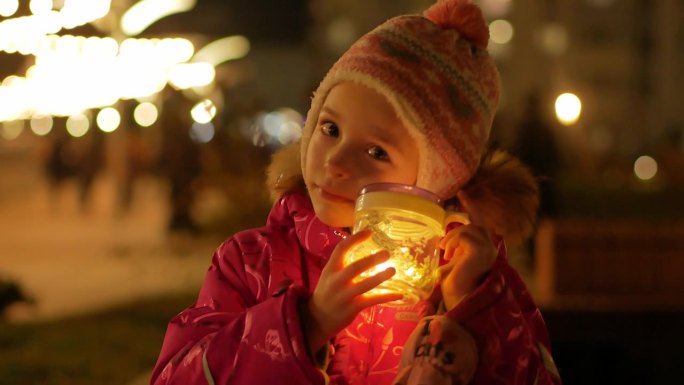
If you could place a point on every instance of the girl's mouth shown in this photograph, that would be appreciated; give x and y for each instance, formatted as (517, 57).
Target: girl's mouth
(331, 196)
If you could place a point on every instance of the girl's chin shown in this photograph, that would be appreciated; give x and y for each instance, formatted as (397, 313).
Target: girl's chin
(337, 223)
(335, 220)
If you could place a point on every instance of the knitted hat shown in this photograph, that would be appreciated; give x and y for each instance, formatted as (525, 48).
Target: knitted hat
(436, 73)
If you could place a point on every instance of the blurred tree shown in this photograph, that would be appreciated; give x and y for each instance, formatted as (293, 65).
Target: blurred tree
(536, 146)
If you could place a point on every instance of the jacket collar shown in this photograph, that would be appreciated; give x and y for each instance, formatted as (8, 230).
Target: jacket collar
(294, 209)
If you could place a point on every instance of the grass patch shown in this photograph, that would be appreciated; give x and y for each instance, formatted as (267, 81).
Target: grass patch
(109, 347)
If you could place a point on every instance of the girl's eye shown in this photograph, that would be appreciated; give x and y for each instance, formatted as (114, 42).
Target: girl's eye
(330, 129)
(378, 153)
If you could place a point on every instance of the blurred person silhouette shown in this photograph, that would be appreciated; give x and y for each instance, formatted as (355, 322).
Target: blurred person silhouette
(179, 161)
(410, 102)
(91, 160)
(60, 160)
(135, 164)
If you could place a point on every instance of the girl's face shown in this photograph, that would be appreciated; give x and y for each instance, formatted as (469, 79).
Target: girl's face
(358, 140)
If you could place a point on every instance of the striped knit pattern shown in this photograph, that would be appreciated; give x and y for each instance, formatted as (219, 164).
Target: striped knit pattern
(444, 88)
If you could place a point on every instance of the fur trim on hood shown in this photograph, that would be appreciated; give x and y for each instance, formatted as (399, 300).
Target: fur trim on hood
(503, 193)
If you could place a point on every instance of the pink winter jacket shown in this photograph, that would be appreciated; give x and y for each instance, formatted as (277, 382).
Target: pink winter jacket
(245, 327)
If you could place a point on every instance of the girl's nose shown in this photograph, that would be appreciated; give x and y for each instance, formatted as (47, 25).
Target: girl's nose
(336, 166)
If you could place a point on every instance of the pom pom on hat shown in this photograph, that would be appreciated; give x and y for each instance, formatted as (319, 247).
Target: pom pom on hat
(463, 16)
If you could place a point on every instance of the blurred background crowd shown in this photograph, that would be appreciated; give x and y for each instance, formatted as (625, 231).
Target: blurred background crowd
(134, 136)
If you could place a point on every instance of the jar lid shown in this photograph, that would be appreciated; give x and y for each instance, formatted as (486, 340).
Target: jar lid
(396, 196)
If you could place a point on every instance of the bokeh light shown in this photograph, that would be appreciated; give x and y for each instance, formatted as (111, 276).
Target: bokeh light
(12, 129)
(495, 8)
(41, 125)
(223, 50)
(97, 72)
(79, 12)
(108, 119)
(645, 168)
(78, 125)
(189, 75)
(146, 12)
(145, 114)
(202, 132)
(204, 111)
(500, 31)
(40, 7)
(554, 39)
(568, 108)
(340, 34)
(276, 128)
(8, 7)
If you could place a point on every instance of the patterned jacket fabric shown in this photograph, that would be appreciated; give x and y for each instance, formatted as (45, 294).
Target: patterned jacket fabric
(245, 328)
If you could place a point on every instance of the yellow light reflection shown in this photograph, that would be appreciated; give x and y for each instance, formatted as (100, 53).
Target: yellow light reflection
(500, 31)
(146, 114)
(41, 125)
(108, 119)
(223, 50)
(645, 167)
(8, 7)
(77, 125)
(568, 108)
(204, 111)
(146, 12)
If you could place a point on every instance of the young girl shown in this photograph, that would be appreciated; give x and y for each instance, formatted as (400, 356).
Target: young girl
(410, 102)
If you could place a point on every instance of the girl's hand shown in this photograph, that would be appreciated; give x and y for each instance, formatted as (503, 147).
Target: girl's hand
(337, 300)
(470, 253)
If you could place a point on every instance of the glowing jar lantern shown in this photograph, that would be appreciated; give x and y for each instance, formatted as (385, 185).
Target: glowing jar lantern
(408, 222)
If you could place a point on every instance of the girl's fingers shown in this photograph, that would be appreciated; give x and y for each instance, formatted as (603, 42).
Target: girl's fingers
(336, 261)
(444, 270)
(479, 235)
(451, 248)
(362, 265)
(452, 236)
(367, 300)
(463, 237)
(369, 283)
